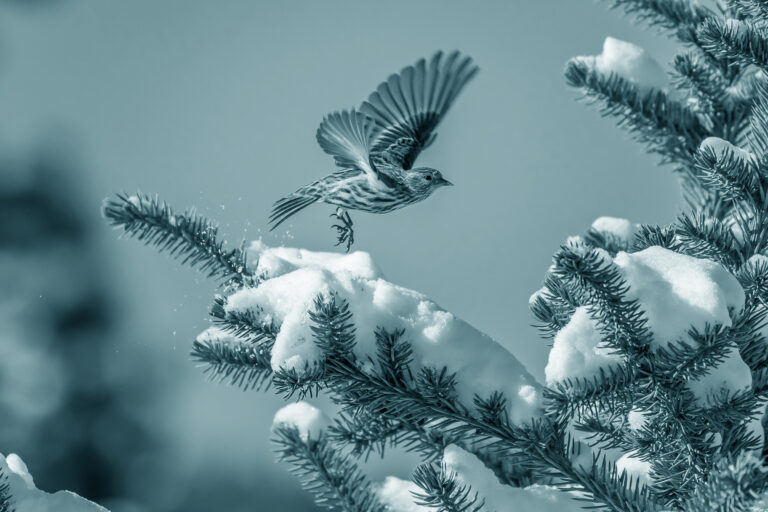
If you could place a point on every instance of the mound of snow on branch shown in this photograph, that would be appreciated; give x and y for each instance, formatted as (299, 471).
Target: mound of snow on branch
(676, 292)
(294, 277)
(308, 419)
(578, 350)
(28, 498)
(629, 61)
(721, 146)
(622, 229)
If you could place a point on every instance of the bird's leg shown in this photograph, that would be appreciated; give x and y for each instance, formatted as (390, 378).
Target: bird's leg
(344, 231)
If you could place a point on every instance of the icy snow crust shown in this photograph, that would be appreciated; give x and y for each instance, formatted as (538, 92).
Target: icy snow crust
(28, 498)
(294, 277)
(629, 61)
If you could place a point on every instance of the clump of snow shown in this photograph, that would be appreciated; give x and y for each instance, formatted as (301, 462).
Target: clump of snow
(620, 228)
(575, 241)
(308, 419)
(578, 350)
(744, 87)
(731, 375)
(438, 338)
(629, 61)
(634, 467)
(637, 418)
(28, 498)
(538, 293)
(720, 146)
(396, 494)
(677, 291)
(758, 260)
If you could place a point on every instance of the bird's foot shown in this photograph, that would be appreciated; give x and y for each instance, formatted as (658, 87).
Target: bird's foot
(344, 232)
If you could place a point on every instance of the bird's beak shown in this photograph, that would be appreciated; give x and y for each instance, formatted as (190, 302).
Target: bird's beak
(444, 182)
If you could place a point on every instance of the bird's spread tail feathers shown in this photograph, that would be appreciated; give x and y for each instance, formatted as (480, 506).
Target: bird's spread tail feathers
(286, 207)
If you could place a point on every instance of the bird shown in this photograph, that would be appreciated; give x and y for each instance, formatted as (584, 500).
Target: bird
(376, 145)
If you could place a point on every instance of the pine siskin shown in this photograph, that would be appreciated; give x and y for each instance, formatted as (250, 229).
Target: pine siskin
(375, 147)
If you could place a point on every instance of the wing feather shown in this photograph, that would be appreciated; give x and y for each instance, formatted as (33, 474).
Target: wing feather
(346, 136)
(287, 207)
(408, 106)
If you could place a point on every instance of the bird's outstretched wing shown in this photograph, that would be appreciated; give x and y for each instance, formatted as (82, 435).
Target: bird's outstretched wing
(346, 136)
(409, 105)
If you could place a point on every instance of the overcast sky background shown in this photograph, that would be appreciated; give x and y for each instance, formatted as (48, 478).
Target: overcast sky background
(215, 105)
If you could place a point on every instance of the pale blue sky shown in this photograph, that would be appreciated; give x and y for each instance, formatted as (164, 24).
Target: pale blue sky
(215, 105)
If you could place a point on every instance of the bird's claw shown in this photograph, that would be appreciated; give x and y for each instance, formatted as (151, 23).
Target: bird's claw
(344, 232)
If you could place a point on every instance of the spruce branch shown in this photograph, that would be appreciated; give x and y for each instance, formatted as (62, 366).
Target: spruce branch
(332, 326)
(622, 321)
(244, 361)
(734, 40)
(302, 382)
(332, 477)
(554, 305)
(612, 389)
(540, 446)
(394, 355)
(648, 236)
(189, 237)
(734, 176)
(668, 127)
(245, 365)
(683, 361)
(604, 430)
(731, 485)
(431, 399)
(753, 277)
(710, 238)
(707, 84)
(750, 8)
(606, 241)
(758, 124)
(552, 317)
(245, 324)
(680, 17)
(366, 432)
(442, 491)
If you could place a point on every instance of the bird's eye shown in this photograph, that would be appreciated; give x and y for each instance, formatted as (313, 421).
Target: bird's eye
(429, 177)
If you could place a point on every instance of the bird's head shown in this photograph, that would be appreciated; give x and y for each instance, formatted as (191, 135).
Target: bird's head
(424, 180)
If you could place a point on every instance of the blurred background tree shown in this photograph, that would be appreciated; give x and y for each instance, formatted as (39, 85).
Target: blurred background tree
(66, 406)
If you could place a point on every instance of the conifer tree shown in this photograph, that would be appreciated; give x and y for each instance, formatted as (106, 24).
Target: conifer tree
(657, 380)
